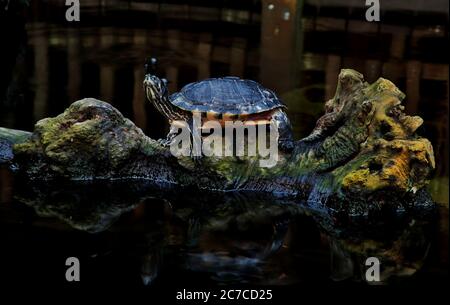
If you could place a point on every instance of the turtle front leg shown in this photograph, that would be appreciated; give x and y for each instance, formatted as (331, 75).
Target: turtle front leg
(190, 134)
(194, 124)
(173, 132)
(285, 139)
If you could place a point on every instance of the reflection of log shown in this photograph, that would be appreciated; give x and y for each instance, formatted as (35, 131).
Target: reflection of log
(363, 152)
(228, 225)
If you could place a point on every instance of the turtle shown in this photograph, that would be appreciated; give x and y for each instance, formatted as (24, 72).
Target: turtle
(228, 98)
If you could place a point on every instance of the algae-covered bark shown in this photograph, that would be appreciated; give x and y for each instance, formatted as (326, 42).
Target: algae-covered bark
(363, 152)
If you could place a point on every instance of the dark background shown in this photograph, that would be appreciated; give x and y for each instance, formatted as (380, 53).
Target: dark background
(294, 47)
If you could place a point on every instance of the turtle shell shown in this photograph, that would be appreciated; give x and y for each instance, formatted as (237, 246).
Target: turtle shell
(226, 95)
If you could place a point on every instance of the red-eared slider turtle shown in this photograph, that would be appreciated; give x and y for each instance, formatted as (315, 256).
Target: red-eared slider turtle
(222, 99)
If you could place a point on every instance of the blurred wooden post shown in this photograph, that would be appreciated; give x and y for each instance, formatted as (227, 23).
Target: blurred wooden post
(278, 30)
(106, 68)
(171, 71)
(139, 99)
(398, 44)
(74, 64)
(372, 70)
(41, 62)
(204, 57)
(238, 57)
(413, 72)
(172, 77)
(332, 69)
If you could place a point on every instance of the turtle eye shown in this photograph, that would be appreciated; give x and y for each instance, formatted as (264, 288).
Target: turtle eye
(164, 83)
(163, 90)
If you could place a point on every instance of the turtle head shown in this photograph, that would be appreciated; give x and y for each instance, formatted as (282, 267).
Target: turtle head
(155, 87)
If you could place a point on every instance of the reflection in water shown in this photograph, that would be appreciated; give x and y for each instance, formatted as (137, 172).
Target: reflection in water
(401, 255)
(228, 238)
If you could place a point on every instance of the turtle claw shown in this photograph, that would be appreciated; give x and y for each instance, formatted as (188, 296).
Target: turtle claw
(196, 156)
(165, 142)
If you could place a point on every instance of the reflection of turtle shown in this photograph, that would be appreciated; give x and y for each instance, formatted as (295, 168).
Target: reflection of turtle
(221, 99)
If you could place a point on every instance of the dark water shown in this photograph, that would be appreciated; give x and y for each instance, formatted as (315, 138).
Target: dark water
(135, 234)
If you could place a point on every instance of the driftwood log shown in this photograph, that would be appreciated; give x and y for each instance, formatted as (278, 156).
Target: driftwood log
(363, 155)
